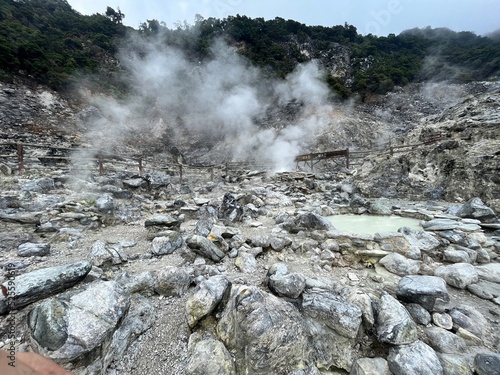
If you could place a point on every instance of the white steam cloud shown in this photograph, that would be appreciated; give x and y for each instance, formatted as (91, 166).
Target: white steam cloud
(219, 105)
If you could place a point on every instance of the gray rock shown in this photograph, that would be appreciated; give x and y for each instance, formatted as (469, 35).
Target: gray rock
(39, 185)
(452, 255)
(105, 204)
(105, 256)
(230, 211)
(485, 289)
(135, 182)
(279, 243)
(246, 262)
(454, 364)
(309, 221)
(381, 206)
(370, 366)
(489, 272)
(277, 269)
(396, 242)
(167, 243)
(204, 247)
(414, 359)
(424, 290)
(459, 275)
(143, 283)
(30, 249)
(483, 256)
(252, 324)
(161, 221)
(421, 240)
(469, 318)
(289, 285)
(487, 363)
(440, 224)
(210, 357)
(400, 265)
(157, 180)
(99, 323)
(42, 283)
(205, 298)
(476, 209)
(419, 314)
(333, 323)
(444, 341)
(394, 323)
(172, 281)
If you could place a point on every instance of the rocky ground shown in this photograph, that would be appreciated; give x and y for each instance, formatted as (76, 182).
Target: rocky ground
(242, 274)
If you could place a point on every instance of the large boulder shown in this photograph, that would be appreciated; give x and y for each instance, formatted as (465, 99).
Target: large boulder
(476, 209)
(204, 247)
(89, 327)
(423, 290)
(394, 324)
(42, 283)
(266, 334)
(334, 324)
(414, 359)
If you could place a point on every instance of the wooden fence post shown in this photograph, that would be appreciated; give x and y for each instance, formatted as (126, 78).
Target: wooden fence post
(101, 166)
(20, 158)
(140, 167)
(180, 174)
(347, 158)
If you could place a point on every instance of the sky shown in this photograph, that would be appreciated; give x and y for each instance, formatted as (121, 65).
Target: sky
(378, 17)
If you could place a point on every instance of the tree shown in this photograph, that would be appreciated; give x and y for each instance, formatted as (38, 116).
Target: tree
(115, 16)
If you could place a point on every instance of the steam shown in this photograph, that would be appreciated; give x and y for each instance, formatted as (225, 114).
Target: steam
(220, 104)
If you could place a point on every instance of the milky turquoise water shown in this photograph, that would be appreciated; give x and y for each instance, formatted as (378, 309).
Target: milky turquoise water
(371, 224)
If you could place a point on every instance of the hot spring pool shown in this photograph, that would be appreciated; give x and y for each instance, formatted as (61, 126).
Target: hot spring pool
(372, 224)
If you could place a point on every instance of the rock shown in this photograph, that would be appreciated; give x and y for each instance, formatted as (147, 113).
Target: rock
(460, 238)
(442, 320)
(469, 318)
(167, 243)
(400, 265)
(89, 327)
(416, 358)
(204, 247)
(30, 249)
(487, 364)
(252, 324)
(277, 269)
(370, 366)
(421, 240)
(419, 314)
(333, 323)
(476, 209)
(454, 364)
(40, 185)
(424, 290)
(381, 206)
(42, 283)
(394, 324)
(230, 210)
(105, 204)
(143, 282)
(161, 221)
(172, 281)
(246, 262)
(105, 256)
(444, 341)
(134, 182)
(485, 289)
(459, 275)
(309, 221)
(289, 285)
(279, 243)
(210, 357)
(456, 256)
(440, 224)
(396, 242)
(157, 180)
(489, 272)
(205, 298)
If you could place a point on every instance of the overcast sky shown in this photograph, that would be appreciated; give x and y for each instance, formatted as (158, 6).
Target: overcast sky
(379, 17)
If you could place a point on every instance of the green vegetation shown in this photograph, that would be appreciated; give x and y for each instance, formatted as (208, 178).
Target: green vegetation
(49, 42)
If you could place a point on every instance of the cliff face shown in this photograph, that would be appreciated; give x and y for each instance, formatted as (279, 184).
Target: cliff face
(464, 163)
